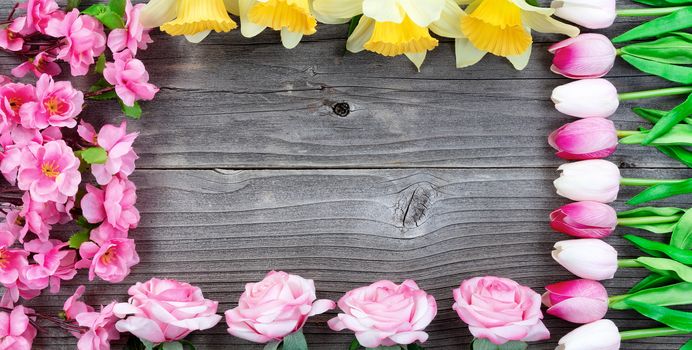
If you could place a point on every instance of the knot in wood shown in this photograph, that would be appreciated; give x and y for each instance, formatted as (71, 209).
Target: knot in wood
(341, 109)
(414, 205)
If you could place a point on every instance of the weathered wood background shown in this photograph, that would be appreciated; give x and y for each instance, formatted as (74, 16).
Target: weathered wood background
(436, 176)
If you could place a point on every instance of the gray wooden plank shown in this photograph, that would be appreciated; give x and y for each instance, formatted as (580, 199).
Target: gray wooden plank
(345, 228)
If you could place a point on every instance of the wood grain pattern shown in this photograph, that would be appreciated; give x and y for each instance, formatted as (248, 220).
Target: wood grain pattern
(436, 176)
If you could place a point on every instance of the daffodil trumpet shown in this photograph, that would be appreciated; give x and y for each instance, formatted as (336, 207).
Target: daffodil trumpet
(194, 19)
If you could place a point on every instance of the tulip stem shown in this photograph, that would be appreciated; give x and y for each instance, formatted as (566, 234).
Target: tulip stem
(624, 133)
(650, 333)
(648, 11)
(637, 95)
(628, 263)
(628, 181)
(645, 220)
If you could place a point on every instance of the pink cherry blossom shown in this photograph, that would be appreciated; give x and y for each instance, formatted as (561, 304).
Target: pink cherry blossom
(13, 263)
(12, 97)
(15, 140)
(133, 36)
(84, 40)
(52, 262)
(130, 78)
(16, 224)
(50, 172)
(16, 332)
(38, 13)
(101, 329)
(38, 217)
(118, 143)
(73, 306)
(111, 261)
(57, 104)
(105, 232)
(42, 63)
(10, 38)
(113, 204)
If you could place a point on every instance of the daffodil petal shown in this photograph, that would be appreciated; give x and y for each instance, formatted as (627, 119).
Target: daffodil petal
(383, 10)
(360, 35)
(197, 37)
(547, 24)
(423, 13)
(467, 54)
(248, 28)
(448, 24)
(290, 39)
(417, 58)
(336, 11)
(158, 12)
(522, 4)
(232, 6)
(520, 61)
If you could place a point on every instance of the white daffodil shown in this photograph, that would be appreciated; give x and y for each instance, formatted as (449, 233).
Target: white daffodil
(193, 18)
(393, 27)
(292, 17)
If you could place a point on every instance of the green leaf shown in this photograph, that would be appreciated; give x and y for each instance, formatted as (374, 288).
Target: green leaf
(354, 23)
(484, 344)
(78, 238)
(272, 346)
(295, 341)
(172, 346)
(396, 347)
(653, 219)
(678, 20)
(662, 191)
(687, 346)
(675, 48)
(668, 267)
(675, 116)
(651, 211)
(664, 3)
(682, 233)
(651, 281)
(354, 344)
(117, 6)
(134, 112)
(679, 153)
(147, 344)
(660, 250)
(673, 318)
(94, 155)
(675, 294)
(133, 343)
(654, 115)
(187, 344)
(105, 15)
(678, 135)
(100, 64)
(414, 346)
(110, 95)
(72, 4)
(533, 3)
(671, 72)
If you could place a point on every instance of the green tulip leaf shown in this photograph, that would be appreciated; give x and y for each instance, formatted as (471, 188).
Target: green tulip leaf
(651, 281)
(654, 115)
(660, 250)
(675, 294)
(668, 121)
(664, 3)
(675, 48)
(682, 233)
(651, 211)
(673, 318)
(668, 267)
(661, 191)
(687, 346)
(671, 72)
(678, 135)
(652, 219)
(678, 20)
(679, 153)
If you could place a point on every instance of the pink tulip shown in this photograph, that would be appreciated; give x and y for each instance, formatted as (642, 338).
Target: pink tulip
(599, 335)
(386, 314)
(584, 219)
(100, 329)
(50, 172)
(84, 40)
(57, 104)
(111, 261)
(587, 258)
(585, 56)
(275, 307)
(589, 180)
(165, 310)
(500, 310)
(588, 98)
(589, 138)
(133, 36)
(16, 331)
(130, 78)
(115, 204)
(73, 306)
(577, 301)
(593, 14)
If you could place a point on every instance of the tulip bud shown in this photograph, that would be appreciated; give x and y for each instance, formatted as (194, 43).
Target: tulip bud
(589, 138)
(589, 180)
(585, 219)
(585, 56)
(587, 258)
(578, 301)
(599, 335)
(588, 98)
(593, 14)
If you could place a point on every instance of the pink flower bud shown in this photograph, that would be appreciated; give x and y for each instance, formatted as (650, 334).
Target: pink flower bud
(578, 301)
(584, 219)
(593, 14)
(589, 180)
(585, 56)
(590, 138)
(587, 258)
(588, 98)
(600, 335)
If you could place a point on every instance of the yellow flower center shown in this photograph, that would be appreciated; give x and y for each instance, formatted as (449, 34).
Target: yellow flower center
(495, 26)
(54, 106)
(195, 16)
(293, 15)
(108, 256)
(15, 103)
(50, 169)
(392, 39)
(4, 258)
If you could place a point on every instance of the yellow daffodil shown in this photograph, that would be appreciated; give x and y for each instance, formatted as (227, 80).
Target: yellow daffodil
(193, 18)
(503, 28)
(292, 17)
(393, 27)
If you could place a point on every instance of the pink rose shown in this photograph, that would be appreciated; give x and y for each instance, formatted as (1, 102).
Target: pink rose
(118, 143)
(84, 40)
(101, 329)
(133, 36)
(165, 310)
(589, 138)
(130, 78)
(111, 260)
(578, 301)
(585, 219)
(42, 63)
(585, 56)
(50, 172)
(57, 104)
(500, 310)
(16, 332)
(275, 307)
(73, 306)
(115, 204)
(386, 314)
